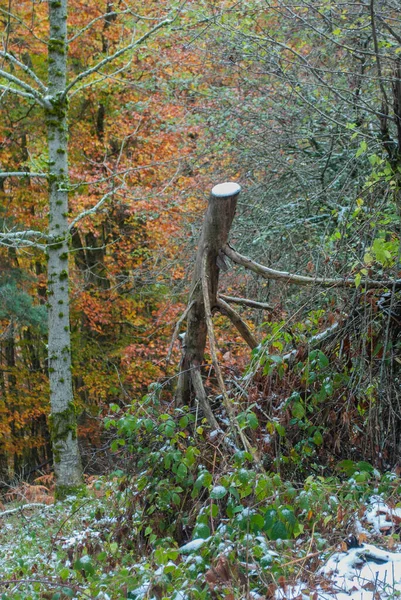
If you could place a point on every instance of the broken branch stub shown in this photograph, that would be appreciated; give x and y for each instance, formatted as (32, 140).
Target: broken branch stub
(216, 227)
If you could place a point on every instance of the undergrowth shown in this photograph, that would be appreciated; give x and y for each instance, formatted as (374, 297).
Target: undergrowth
(181, 520)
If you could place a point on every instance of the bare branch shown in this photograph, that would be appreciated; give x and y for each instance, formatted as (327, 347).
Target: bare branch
(20, 239)
(30, 233)
(21, 174)
(24, 68)
(24, 25)
(213, 351)
(120, 52)
(94, 209)
(177, 329)
(25, 86)
(203, 400)
(113, 13)
(13, 90)
(268, 273)
(239, 323)
(107, 76)
(245, 302)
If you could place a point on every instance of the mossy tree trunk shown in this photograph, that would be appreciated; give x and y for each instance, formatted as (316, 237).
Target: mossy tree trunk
(63, 422)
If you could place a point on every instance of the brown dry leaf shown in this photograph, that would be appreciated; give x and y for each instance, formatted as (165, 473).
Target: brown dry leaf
(390, 543)
(369, 586)
(47, 480)
(228, 357)
(222, 569)
(30, 493)
(361, 511)
(362, 537)
(396, 519)
(344, 547)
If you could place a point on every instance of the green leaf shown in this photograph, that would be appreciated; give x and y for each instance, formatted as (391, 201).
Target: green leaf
(278, 531)
(362, 148)
(148, 425)
(257, 522)
(183, 422)
(175, 499)
(270, 518)
(298, 410)
(84, 564)
(348, 467)
(161, 556)
(288, 516)
(364, 466)
(323, 360)
(317, 438)
(204, 480)
(218, 492)
(182, 470)
(64, 573)
(201, 530)
(252, 420)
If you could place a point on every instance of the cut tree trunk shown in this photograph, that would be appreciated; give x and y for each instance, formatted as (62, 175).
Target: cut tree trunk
(216, 227)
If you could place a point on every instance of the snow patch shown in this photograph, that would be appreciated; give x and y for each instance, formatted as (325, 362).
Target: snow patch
(223, 190)
(193, 546)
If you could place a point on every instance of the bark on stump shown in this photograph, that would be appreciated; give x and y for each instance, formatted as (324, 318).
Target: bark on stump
(216, 227)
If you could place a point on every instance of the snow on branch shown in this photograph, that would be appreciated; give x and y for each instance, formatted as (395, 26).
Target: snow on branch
(12, 511)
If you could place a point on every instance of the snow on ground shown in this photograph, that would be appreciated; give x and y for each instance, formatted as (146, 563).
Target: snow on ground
(365, 572)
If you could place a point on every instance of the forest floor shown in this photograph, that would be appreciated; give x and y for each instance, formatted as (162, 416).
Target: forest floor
(93, 547)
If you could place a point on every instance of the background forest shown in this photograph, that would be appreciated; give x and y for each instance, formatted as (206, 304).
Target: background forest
(116, 124)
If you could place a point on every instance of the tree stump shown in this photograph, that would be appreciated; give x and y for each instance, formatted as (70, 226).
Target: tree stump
(216, 227)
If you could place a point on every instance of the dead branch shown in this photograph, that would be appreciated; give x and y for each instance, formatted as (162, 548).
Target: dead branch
(268, 273)
(245, 302)
(236, 320)
(212, 344)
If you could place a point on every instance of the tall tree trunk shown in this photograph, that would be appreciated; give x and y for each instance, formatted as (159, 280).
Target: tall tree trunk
(63, 422)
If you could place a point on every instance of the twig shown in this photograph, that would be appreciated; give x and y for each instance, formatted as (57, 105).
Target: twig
(219, 376)
(177, 329)
(246, 302)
